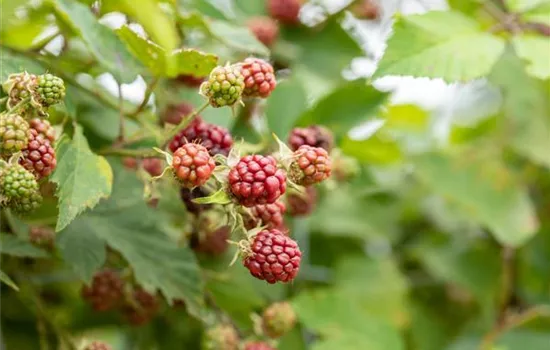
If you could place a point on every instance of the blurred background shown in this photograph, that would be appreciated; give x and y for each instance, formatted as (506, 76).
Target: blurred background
(434, 231)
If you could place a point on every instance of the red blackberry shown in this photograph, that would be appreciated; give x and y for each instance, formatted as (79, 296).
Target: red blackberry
(312, 165)
(256, 180)
(258, 345)
(192, 165)
(285, 11)
(175, 113)
(44, 128)
(314, 136)
(216, 139)
(259, 78)
(272, 257)
(270, 215)
(302, 204)
(105, 292)
(278, 319)
(265, 29)
(153, 166)
(187, 195)
(130, 163)
(97, 345)
(143, 308)
(39, 156)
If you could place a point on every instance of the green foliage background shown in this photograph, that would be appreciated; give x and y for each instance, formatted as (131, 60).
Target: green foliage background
(436, 244)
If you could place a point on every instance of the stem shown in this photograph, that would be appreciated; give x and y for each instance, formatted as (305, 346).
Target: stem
(42, 334)
(183, 124)
(124, 152)
(146, 97)
(507, 289)
(3, 100)
(121, 114)
(45, 41)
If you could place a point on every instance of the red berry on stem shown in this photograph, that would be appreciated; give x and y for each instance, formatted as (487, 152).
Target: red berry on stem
(302, 204)
(153, 166)
(278, 319)
(270, 215)
(314, 136)
(258, 345)
(259, 78)
(97, 345)
(44, 128)
(216, 139)
(265, 29)
(192, 165)
(256, 180)
(39, 156)
(273, 257)
(312, 165)
(144, 308)
(175, 113)
(285, 11)
(105, 292)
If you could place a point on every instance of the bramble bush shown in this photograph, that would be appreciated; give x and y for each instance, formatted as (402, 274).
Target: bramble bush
(230, 207)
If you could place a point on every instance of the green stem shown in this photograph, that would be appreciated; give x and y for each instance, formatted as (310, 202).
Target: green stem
(146, 97)
(120, 114)
(45, 41)
(137, 153)
(183, 124)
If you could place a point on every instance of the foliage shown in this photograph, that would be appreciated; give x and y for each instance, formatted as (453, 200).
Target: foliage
(420, 239)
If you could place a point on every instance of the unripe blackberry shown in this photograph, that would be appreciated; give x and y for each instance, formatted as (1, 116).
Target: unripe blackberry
(44, 128)
(143, 308)
(190, 80)
(211, 242)
(175, 113)
(265, 29)
(27, 204)
(187, 195)
(221, 337)
(302, 204)
(192, 165)
(50, 89)
(312, 165)
(278, 319)
(97, 345)
(42, 236)
(224, 86)
(272, 256)
(106, 291)
(314, 136)
(14, 134)
(259, 78)
(39, 156)
(285, 11)
(20, 86)
(258, 345)
(216, 139)
(256, 180)
(16, 183)
(269, 215)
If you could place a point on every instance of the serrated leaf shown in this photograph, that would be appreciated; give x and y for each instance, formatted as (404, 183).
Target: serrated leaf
(82, 177)
(237, 37)
(181, 61)
(15, 246)
(12, 63)
(345, 107)
(102, 41)
(85, 252)
(125, 223)
(536, 51)
(484, 189)
(218, 197)
(526, 107)
(7, 280)
(288, 100)
(436, 44)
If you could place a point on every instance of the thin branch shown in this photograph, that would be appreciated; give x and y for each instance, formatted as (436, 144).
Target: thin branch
(120, 114)
(183, 124)
(507, 288)
(42, 43)
(146, 97)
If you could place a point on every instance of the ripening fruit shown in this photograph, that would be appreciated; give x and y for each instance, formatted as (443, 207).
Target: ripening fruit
(14, 134)
(311, 165)
(192, 165)
(216, 139)
(224, 86)
(259, 78)
(278, 319)
(265, 29)
(221, 337)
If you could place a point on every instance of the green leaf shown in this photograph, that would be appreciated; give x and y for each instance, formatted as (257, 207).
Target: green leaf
(7, 280)
(139, 233)
(82, 177)
(484, 189)
(182, 61)
(377, 149)
(218, 197)
(12, 63)
(237, 37)
(526, 107)
(284, 106)
(345, 107)
(468, 7)
(524, 5)
(102, 41)
(444, 45)
(536, 51)
(338, 322)
(524, 339)
(85, 252)
(15, 246)
(539, 14)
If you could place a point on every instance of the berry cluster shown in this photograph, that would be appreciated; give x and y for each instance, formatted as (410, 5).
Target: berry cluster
(26, 141)
(278, 319)
(216, 139)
